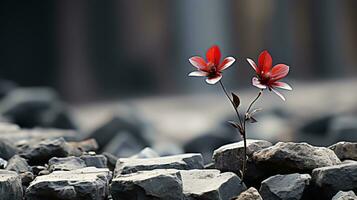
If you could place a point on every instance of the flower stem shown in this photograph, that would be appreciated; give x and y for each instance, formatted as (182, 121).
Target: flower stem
(245, 136)
(236, 109)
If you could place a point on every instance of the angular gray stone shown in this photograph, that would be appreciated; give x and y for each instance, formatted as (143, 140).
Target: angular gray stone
(284, 187)
(80, 184)
(345, 150)
(41, 152)
(65, 164)
(111, 160)
(98, 161)
(160, 184)
(290, 157)
(210, 185)
(250, 194)
(3, 163)
(183, 162)
(329, 180)
(18, 164)
(10, 185)
(85, 145)
(341, 195)
(147, 152)
(7, 150)
(230, 158)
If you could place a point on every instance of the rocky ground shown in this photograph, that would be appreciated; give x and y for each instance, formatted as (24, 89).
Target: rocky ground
(47, 153)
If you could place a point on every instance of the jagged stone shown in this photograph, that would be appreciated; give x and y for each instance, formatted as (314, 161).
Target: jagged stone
(7, 150)
(250, 194)
(160, 184)
(210, 185)
(98, 161)
(292, 157)
(18, 164)
(345, 150)
(341, 195)
(80, 184)
(65, 164)
(10, 185)
(3, 163)
(183, 162)
(85, 145)
(284, 187)
(329, 180)
(111, 160)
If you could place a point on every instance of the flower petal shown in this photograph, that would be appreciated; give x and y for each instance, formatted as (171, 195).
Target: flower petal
(198, 62)
(265, 61)
(256, 83)
(214, 80)
(282, 85)
(226, 63)
(198, 73)
(214, 55)
(252, 63)
(279, 71)
(278, 93)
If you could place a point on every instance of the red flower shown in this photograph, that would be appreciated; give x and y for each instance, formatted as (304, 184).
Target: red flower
(212, 69)
(268, 77)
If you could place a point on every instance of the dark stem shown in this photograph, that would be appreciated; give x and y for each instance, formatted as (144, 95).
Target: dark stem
(236, 109)
(245, 136)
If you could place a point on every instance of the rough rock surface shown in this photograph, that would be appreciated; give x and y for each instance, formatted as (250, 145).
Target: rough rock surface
(85, 145)
(65, 164)
(98, 161)
(183, 162)
(341, 195)
(3, 163)
(147, 152)
(81, 184)
(230, 158)
(210, 185)
(345, 150)
(160, 184)
(18, 164)
(10, 185)
(250, 194)
(41, 152)
(285, 187)
(7, 150)
(330, 180)
(290, 157)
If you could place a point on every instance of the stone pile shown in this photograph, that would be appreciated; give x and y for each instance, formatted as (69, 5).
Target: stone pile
(55, 168)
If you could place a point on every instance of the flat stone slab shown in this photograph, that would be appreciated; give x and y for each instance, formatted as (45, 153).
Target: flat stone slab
(290, 157)
(159, 184)
(210, 185)
(180, 162)
(345, 150)
(81, 184)
(285, 187)
(65, 164)
(10, 185)
(332, 179)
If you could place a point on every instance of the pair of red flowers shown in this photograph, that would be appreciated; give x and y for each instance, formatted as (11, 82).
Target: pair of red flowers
(266, 75)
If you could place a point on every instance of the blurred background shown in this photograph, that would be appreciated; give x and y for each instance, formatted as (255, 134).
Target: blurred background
(91, 62)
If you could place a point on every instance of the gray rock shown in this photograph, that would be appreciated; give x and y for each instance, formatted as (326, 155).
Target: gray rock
(18, 164)
(288, 187)
(230, 158)
(81, 184)
(292, 157)
(26, 178)
(250, 194)
(111, 160)
(329, 180)
(10, 185)
(183, 162)
(345, 150)
(65, 164)
(3, 163)
(160, 184)
(98, 161)
(147, 152)
(43, 172)
(85, 145)
(37, 169)
(7, 150)
(41, 152)
(210, 185)
(341, 195)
